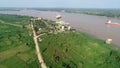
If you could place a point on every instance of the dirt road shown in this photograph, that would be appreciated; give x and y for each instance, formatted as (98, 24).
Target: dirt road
(41, 61)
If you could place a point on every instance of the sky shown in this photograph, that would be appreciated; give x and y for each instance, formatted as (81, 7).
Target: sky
(61, 3)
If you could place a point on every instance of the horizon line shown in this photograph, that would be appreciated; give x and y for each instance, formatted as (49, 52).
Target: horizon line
(53, 8)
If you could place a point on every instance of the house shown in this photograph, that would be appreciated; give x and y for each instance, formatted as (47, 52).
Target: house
(39, 18)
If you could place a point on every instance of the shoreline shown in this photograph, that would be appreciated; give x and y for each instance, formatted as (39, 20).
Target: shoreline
(94, 36)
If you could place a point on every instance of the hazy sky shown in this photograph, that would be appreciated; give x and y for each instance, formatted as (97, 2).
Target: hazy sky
(61, 3)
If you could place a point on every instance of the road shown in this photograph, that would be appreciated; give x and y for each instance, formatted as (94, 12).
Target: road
(41, 61)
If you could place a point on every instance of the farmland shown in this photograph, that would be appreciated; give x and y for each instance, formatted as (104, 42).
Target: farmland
(16, 46)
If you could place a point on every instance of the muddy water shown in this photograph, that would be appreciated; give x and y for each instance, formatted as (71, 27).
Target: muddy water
(93, 25)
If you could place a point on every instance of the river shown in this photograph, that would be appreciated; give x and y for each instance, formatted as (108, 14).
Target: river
(93, 25)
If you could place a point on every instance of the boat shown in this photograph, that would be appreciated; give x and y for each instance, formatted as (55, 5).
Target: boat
(58, 16)
(112, 24)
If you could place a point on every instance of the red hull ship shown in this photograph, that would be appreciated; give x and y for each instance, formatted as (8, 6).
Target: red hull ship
(112, 24)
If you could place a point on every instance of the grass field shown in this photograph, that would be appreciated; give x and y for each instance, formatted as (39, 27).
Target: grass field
(16, 46)
(78, 50)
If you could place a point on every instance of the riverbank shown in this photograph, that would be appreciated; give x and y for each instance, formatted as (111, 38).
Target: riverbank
(93, 25)
(67, 48)
(60, 47)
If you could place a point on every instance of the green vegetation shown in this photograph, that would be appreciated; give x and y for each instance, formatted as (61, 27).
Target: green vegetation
(64, 49)
(13, 18)
(16, 46)
(77, 50)
(103, 12)
(113, 13)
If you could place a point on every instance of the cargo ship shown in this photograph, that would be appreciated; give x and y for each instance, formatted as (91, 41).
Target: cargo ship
(112, 24)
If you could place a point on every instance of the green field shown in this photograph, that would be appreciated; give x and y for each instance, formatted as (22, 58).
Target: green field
(16, 46)
(78, 50)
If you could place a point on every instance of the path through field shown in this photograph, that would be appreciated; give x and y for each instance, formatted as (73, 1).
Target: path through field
(41, 61)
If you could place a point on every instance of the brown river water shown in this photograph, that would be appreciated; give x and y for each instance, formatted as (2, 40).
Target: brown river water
(92, 25)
